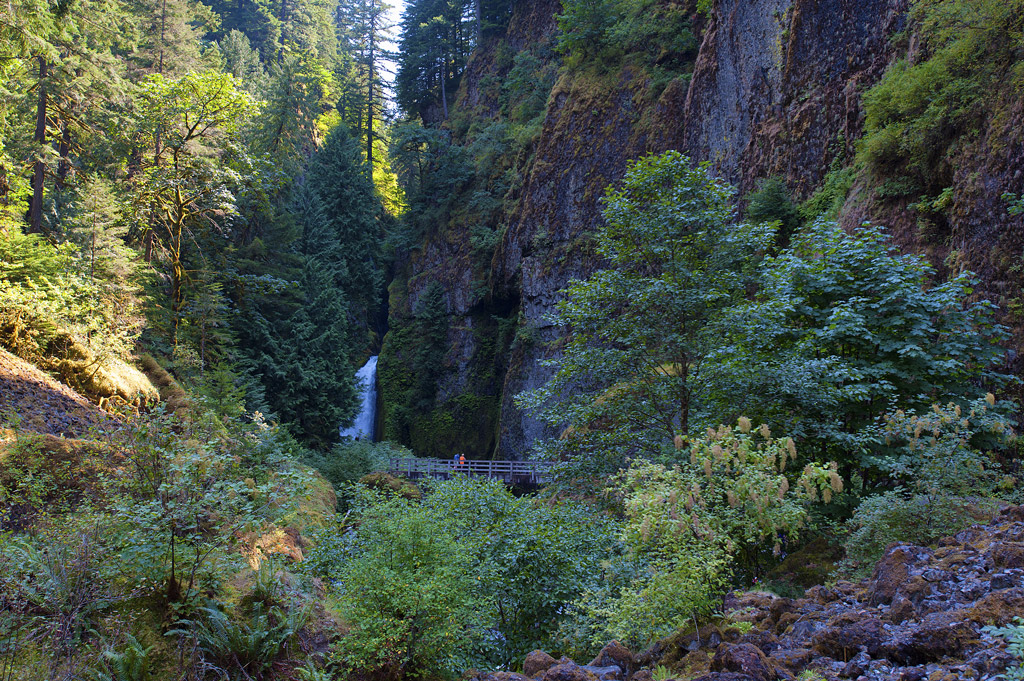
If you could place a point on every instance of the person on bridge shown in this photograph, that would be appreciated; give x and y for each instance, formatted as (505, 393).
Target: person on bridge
(462, 459)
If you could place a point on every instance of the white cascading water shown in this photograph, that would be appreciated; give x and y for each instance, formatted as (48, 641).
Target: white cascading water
(362, 428)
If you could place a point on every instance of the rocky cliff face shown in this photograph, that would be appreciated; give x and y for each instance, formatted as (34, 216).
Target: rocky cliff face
(776, 90)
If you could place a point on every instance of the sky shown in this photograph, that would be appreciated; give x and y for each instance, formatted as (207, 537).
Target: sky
(396, 17)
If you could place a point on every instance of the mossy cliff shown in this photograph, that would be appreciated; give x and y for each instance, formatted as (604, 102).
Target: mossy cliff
(769, 88)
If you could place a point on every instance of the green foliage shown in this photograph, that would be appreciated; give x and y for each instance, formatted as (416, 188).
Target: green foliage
(436, 39)
(1015, 203)
(433, 171)
(631, 373)
(51, 304)
(524, 90)
(828, 200)
(469, 576)
(305, 361)
(179, 473)
(941, 462)
(602, 32)
(244, 647)
(662, 673)
(54, 584)
(1013, 634)
(844, 331)
(689, 526)
(347, 462)
(583, 25)
(131, 663)
(408, 591)
(810, 675)
(771, 202)
(921, 114)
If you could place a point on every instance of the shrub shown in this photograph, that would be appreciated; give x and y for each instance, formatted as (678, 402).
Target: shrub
(468, 576)
(131, 662)
(771, 202)
(918, 114)
(684, 524)
(347, 462)
(846, 330)
(943, 479)
(246, 646)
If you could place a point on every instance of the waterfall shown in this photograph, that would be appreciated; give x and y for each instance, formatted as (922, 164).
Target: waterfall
(362, 428)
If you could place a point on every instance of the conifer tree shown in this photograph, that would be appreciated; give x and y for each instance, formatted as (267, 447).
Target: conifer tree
(351, 211)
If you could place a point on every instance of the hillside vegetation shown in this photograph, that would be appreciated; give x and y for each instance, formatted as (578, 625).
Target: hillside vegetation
(745, 273)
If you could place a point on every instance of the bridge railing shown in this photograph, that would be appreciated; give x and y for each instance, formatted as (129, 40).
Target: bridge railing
(534, 472)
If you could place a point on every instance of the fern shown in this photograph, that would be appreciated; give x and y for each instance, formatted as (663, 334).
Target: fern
(1014, 636)
(250, 647)
(130, 664)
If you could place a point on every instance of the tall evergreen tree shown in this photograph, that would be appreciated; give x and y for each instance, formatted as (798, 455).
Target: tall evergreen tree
(366, 26)
(350, 209)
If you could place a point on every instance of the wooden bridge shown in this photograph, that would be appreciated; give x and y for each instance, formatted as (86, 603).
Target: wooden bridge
(512, 472)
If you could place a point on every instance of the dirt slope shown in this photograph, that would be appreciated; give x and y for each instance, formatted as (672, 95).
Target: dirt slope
(32, 400)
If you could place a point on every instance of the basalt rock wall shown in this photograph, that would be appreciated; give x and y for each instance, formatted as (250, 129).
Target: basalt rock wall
(775, 90)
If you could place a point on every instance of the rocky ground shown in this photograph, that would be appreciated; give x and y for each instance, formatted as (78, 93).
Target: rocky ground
(920, 617)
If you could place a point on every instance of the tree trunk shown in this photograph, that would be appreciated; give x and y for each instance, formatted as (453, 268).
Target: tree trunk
(35, 215)
(369, 106)
(163, 35)
(444, 94)
(64, 151)
(479, 21)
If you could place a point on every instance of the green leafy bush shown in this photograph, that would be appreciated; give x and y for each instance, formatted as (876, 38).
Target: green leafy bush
(56, 311)
(347, 462)
(689, 526)
(130, 662)
(601, 32)
(771, 202)
(941, 463)
(920, 114)
(640, 334)
(188, 491)
(469, 576)
(846, 330)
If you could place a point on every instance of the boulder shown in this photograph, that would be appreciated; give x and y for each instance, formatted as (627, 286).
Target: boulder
(764, 640)
(940, 635)
(610, 673)
(1012, 513)
(567, 670)
(793, 659)
(892, 572)
(913, 674)
(998, 607)
(615, 654)
(537, 663)
(857, 666)
(1007, 554)
(1007, 580)
(502, 676)
(822, 595)
(744, 658)
(902, 610)
(848, 634)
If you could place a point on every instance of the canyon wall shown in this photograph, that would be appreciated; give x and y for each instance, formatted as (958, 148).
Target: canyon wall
(775, 90)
